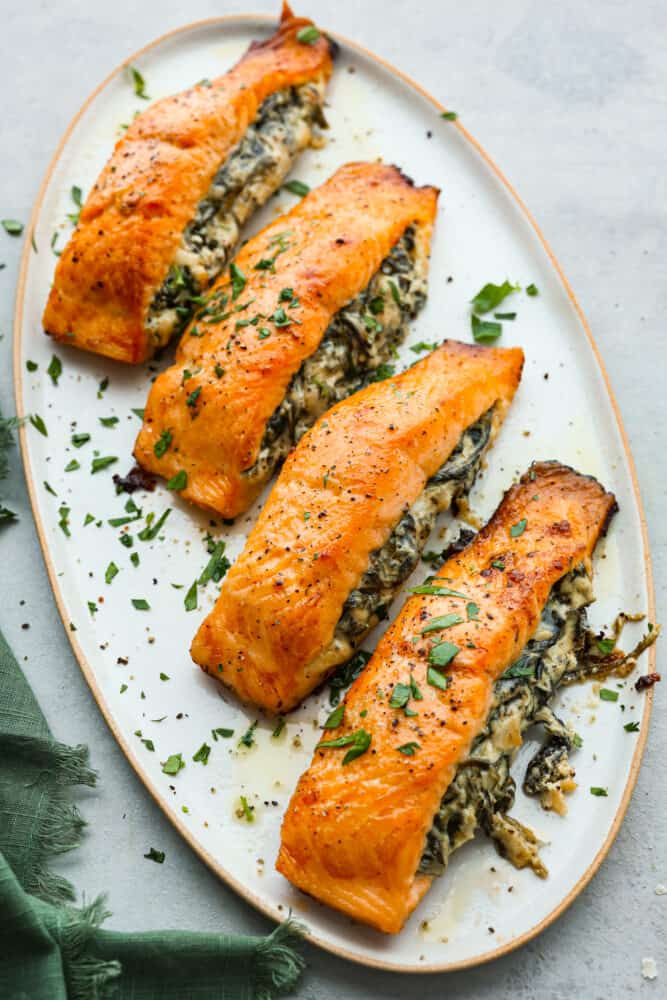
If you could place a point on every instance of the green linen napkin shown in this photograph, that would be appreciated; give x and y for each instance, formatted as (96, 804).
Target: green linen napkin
(51, 950)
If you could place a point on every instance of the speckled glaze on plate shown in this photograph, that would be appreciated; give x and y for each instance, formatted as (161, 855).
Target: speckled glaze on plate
(137, 662)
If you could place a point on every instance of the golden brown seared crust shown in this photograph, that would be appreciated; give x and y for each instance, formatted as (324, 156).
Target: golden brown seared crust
(328, 248)
(354, 473)
(353, 835)
(133, 220)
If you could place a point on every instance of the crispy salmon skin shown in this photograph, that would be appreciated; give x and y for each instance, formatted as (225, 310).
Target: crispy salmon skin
(354, 831)
(337, 499)
(132, 222)
(234, 365)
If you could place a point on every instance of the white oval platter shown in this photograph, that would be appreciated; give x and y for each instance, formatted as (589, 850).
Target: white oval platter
(137, 662)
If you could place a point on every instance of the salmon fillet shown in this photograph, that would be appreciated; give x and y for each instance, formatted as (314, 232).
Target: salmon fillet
(337, 499)
(233, 369)
(132, 222)
(354, 832)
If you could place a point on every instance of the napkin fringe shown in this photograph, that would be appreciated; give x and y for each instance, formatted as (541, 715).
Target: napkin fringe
(60, 824)
(88, 978)
(278, 966)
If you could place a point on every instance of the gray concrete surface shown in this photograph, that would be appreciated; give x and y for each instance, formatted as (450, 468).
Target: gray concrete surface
(570, 99)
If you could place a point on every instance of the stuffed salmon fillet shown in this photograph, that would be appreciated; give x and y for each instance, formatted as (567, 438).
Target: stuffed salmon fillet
(347, 520)
(387, 795)
(311, 307)
(164, 216)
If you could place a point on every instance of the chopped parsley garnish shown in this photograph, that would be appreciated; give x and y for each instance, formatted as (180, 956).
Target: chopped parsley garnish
(607, 695)
(247, 810)
(498, 564)
(156, 856)
(72, 466)
(76, 195)
(190, 601)
(140, 604)
(442, 653)
(532, 290)
(202, 755)
(123, 688)
(103, 386)
(78, 440)
(371, 323)
(491, 295)
(358, 741)
(308, 35)
(434, 589)
(484, 331)
(631, 727)
(280, 317)
(449, 116)
(297, 187)
(280, 725)
(400, 696)
(441, 622)
(409, 748)
(263, 333)
(138, 412)
(134, 558)
(423, 346)
(238, 281)
(173, 764)
(600, 792)
(519, 528)
(108, 421)
(50, 489)
(139, 83)
(382, 372)
(179, 481)
(55, 369)
(606, 646)
(89, 518)
(336, 717)
(217, 565)
(39, 424)
(436, 679)
(12, 226)
(63, 523)
(102, 463)
(522, 668)
(248, 738)
(151, 530)
(164, 677)
(163, 442)
(220, 733)
(504, 315)
(414, 688)
(111, 572)
(376, 305)
(32, 366)
(472, 610)
(193, 397)
(92, 607)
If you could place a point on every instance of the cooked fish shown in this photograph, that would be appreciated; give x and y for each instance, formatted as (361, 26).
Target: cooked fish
(163, 218)
(428, 707)
(348, 518)
(312, 306)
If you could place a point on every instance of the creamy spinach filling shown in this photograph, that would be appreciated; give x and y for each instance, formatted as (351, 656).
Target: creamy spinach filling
(483, 789)
(255, 168)
(358, 342)
(390, 565)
